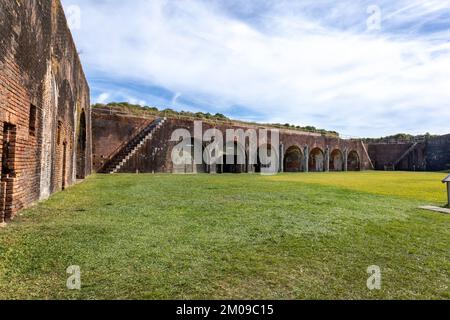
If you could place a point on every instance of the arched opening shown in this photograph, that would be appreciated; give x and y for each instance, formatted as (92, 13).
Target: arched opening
(187, 157)
(293, 160)
(353, 163)
(316, 160)
(265, 156)
(336, 160)
(198, 168)
(234, 159)
(7, 157)
(81, 147)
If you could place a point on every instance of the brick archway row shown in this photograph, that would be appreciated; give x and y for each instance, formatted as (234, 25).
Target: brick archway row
(296, 159)
(296, 151)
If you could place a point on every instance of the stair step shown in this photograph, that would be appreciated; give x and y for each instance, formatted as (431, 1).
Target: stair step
(133, 146)
(404, 155)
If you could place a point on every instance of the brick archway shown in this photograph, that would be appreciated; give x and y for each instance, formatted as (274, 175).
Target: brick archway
(264, 153)
(353, 161)
(336, 160)
(316, 160)
(293, 160)
(234, 158)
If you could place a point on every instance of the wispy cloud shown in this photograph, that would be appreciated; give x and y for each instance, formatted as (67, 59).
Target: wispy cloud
(303, 62)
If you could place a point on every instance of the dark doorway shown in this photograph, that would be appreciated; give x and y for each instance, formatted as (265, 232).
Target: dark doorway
(264, 158)
(316, 160)
(8, 172)
(228, 167)
(64, 167)
(197, 168)
(353, 163)
(293, 160)
(336, 160)
(234, 159)
(81, 148)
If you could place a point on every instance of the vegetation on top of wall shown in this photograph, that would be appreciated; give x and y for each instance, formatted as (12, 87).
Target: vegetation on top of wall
(400, 138)
(139, 110)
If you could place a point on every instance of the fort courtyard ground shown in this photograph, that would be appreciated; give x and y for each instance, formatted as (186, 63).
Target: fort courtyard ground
(176, 179)
(299, 235)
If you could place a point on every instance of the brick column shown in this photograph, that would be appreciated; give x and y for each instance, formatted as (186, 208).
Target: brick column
(345, 159)
(327, 159)
(306, 160)
(281, 158)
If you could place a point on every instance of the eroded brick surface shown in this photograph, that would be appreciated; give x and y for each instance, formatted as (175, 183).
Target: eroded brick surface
(156, 154)
(433, 154)
(41, 150)
(438, 153)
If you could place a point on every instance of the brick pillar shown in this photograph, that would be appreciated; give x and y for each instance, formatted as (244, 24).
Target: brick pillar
(327, 159)
(345, 160)
(306, 160)
(281, 158)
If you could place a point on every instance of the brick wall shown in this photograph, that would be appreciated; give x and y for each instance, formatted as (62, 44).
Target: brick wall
(385, 155)
(43, 95)
(155, 154)
(438, 153)
(111, 131)
(432, 155)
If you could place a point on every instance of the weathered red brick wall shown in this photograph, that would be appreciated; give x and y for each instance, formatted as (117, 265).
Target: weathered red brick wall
(438, 153)
(111, 131)
(155, 155)
(39, 66)
(385, 155)
(415, 159)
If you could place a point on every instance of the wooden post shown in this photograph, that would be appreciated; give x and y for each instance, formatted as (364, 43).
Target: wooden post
(448, 194)
(447, 181)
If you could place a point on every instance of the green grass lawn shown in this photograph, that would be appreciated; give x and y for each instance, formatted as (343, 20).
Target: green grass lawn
(291, 236)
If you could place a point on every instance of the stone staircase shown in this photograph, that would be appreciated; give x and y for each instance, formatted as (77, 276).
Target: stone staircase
(123, 156)
(411, 149)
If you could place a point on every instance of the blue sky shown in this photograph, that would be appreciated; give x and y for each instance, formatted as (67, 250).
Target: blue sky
(362, 68)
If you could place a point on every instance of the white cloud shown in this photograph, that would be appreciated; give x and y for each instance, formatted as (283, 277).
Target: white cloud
(119, 96)
(290, 65)
(103, 98)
